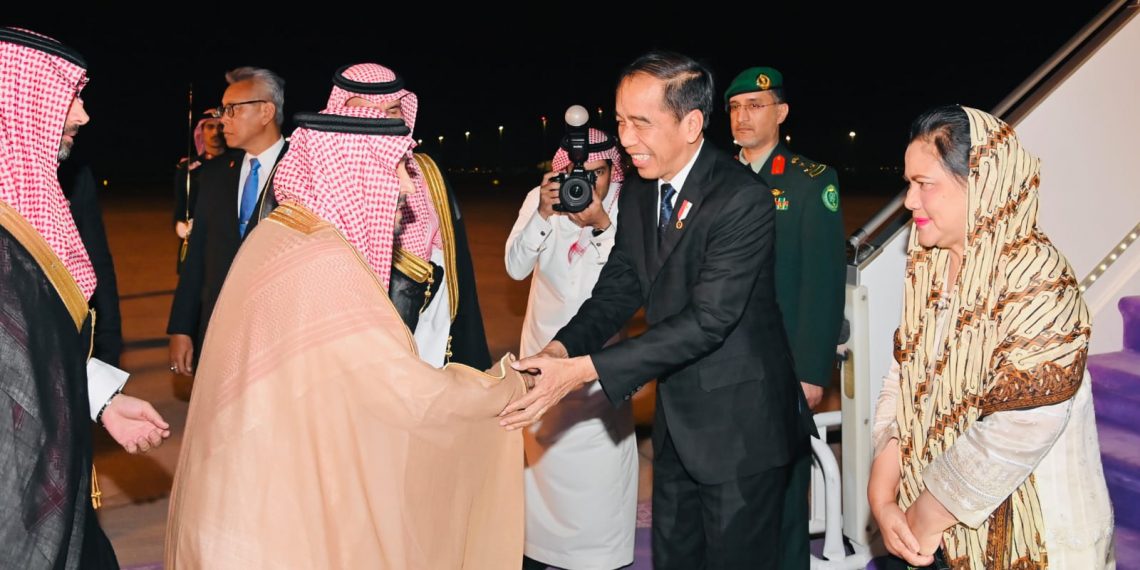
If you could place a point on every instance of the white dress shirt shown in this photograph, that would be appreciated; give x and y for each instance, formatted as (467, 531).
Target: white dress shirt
(267, 159)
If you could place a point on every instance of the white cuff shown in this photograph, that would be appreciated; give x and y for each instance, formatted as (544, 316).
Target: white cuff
(536, 231)
(103, 381)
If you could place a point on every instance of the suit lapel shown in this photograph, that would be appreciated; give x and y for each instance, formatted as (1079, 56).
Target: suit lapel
(691, 194)
(229, 181)
(649, 205)
(267, 201)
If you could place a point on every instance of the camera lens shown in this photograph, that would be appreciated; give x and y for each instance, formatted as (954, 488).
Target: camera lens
(575, 194)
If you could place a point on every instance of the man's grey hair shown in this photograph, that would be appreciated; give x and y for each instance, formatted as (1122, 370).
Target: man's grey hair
(270, 82)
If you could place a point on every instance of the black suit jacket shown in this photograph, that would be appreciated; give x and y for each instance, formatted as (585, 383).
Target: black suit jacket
(214, 243)
(726, 390)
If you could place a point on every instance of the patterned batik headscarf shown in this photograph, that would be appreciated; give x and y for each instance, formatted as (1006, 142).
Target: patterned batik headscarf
(341, 165)
(39, 78)
(378, 84)
(1018, 337)
(601, 147)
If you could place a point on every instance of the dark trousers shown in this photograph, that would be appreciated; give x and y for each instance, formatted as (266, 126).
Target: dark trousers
(729, 525)
(796, 551)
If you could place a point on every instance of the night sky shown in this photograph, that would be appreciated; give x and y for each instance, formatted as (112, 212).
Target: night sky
(857, 68)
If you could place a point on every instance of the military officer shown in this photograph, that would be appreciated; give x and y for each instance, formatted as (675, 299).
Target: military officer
(810, 259)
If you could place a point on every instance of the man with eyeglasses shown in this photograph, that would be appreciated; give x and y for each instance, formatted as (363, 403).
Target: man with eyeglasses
(810, 264)
(233, 198)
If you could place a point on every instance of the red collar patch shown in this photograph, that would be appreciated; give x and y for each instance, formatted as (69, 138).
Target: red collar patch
(778, 164)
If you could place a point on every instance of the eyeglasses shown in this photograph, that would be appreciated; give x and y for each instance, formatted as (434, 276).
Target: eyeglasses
(750, 107)
(228, 110)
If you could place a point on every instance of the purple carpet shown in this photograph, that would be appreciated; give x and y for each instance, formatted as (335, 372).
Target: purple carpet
(1116, 395)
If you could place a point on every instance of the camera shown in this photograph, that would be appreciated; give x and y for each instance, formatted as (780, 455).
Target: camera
(577, 186)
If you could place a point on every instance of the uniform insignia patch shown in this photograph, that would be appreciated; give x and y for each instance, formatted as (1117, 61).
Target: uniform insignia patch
(780, 199)
(778, 164)
(763, 81)
(831, 198)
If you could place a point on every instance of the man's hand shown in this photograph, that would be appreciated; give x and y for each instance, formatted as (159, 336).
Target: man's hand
(548, 195)
(134, 423)
(593, 216)
(557, 376)
(813, 394)
(181, 354)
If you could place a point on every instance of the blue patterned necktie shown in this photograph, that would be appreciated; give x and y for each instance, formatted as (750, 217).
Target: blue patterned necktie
(667, 193)
(248, 196)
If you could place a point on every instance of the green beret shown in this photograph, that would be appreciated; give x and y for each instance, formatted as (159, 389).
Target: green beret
(754, 79)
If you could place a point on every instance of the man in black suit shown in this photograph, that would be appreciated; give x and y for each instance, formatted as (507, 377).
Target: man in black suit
(695, 248)
(235, 191)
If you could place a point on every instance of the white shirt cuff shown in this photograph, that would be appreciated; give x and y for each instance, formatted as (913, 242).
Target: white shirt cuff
(536, 231)
(103, 381)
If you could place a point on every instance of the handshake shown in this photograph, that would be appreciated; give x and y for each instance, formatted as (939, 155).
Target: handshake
(549, 375)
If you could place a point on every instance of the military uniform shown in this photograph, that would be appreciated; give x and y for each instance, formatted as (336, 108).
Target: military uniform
(810, 259)
(810, 277)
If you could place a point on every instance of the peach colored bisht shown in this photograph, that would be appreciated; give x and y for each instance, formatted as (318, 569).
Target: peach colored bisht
(317, 438)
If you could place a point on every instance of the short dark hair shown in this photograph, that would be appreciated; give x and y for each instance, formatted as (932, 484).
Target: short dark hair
(948, 128)
(688, 83)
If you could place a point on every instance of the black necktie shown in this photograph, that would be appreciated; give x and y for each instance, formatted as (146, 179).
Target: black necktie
(667, 193)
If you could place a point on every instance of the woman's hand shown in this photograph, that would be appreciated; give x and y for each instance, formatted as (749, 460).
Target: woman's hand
(898, 537)
(882, 494)
(927, 518)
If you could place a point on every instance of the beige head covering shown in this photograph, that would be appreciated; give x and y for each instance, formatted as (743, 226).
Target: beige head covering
(1018, 337)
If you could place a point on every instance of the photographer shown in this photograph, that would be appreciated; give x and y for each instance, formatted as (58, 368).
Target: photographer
(581, 458)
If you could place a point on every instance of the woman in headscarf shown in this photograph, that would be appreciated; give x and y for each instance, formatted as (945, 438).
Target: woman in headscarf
(986, 451)
(581, 477)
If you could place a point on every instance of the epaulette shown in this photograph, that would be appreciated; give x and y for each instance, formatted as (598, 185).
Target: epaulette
(812, 169)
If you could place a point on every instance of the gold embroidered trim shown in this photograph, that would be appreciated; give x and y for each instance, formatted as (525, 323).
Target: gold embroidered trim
(413, 266)
(438, 190)
(49, 262)
(297, 217)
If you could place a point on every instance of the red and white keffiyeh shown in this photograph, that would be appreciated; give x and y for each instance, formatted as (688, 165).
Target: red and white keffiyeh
(420, 220)
(374, 73)
(562, 160)
(36, 91)
(350, 181)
